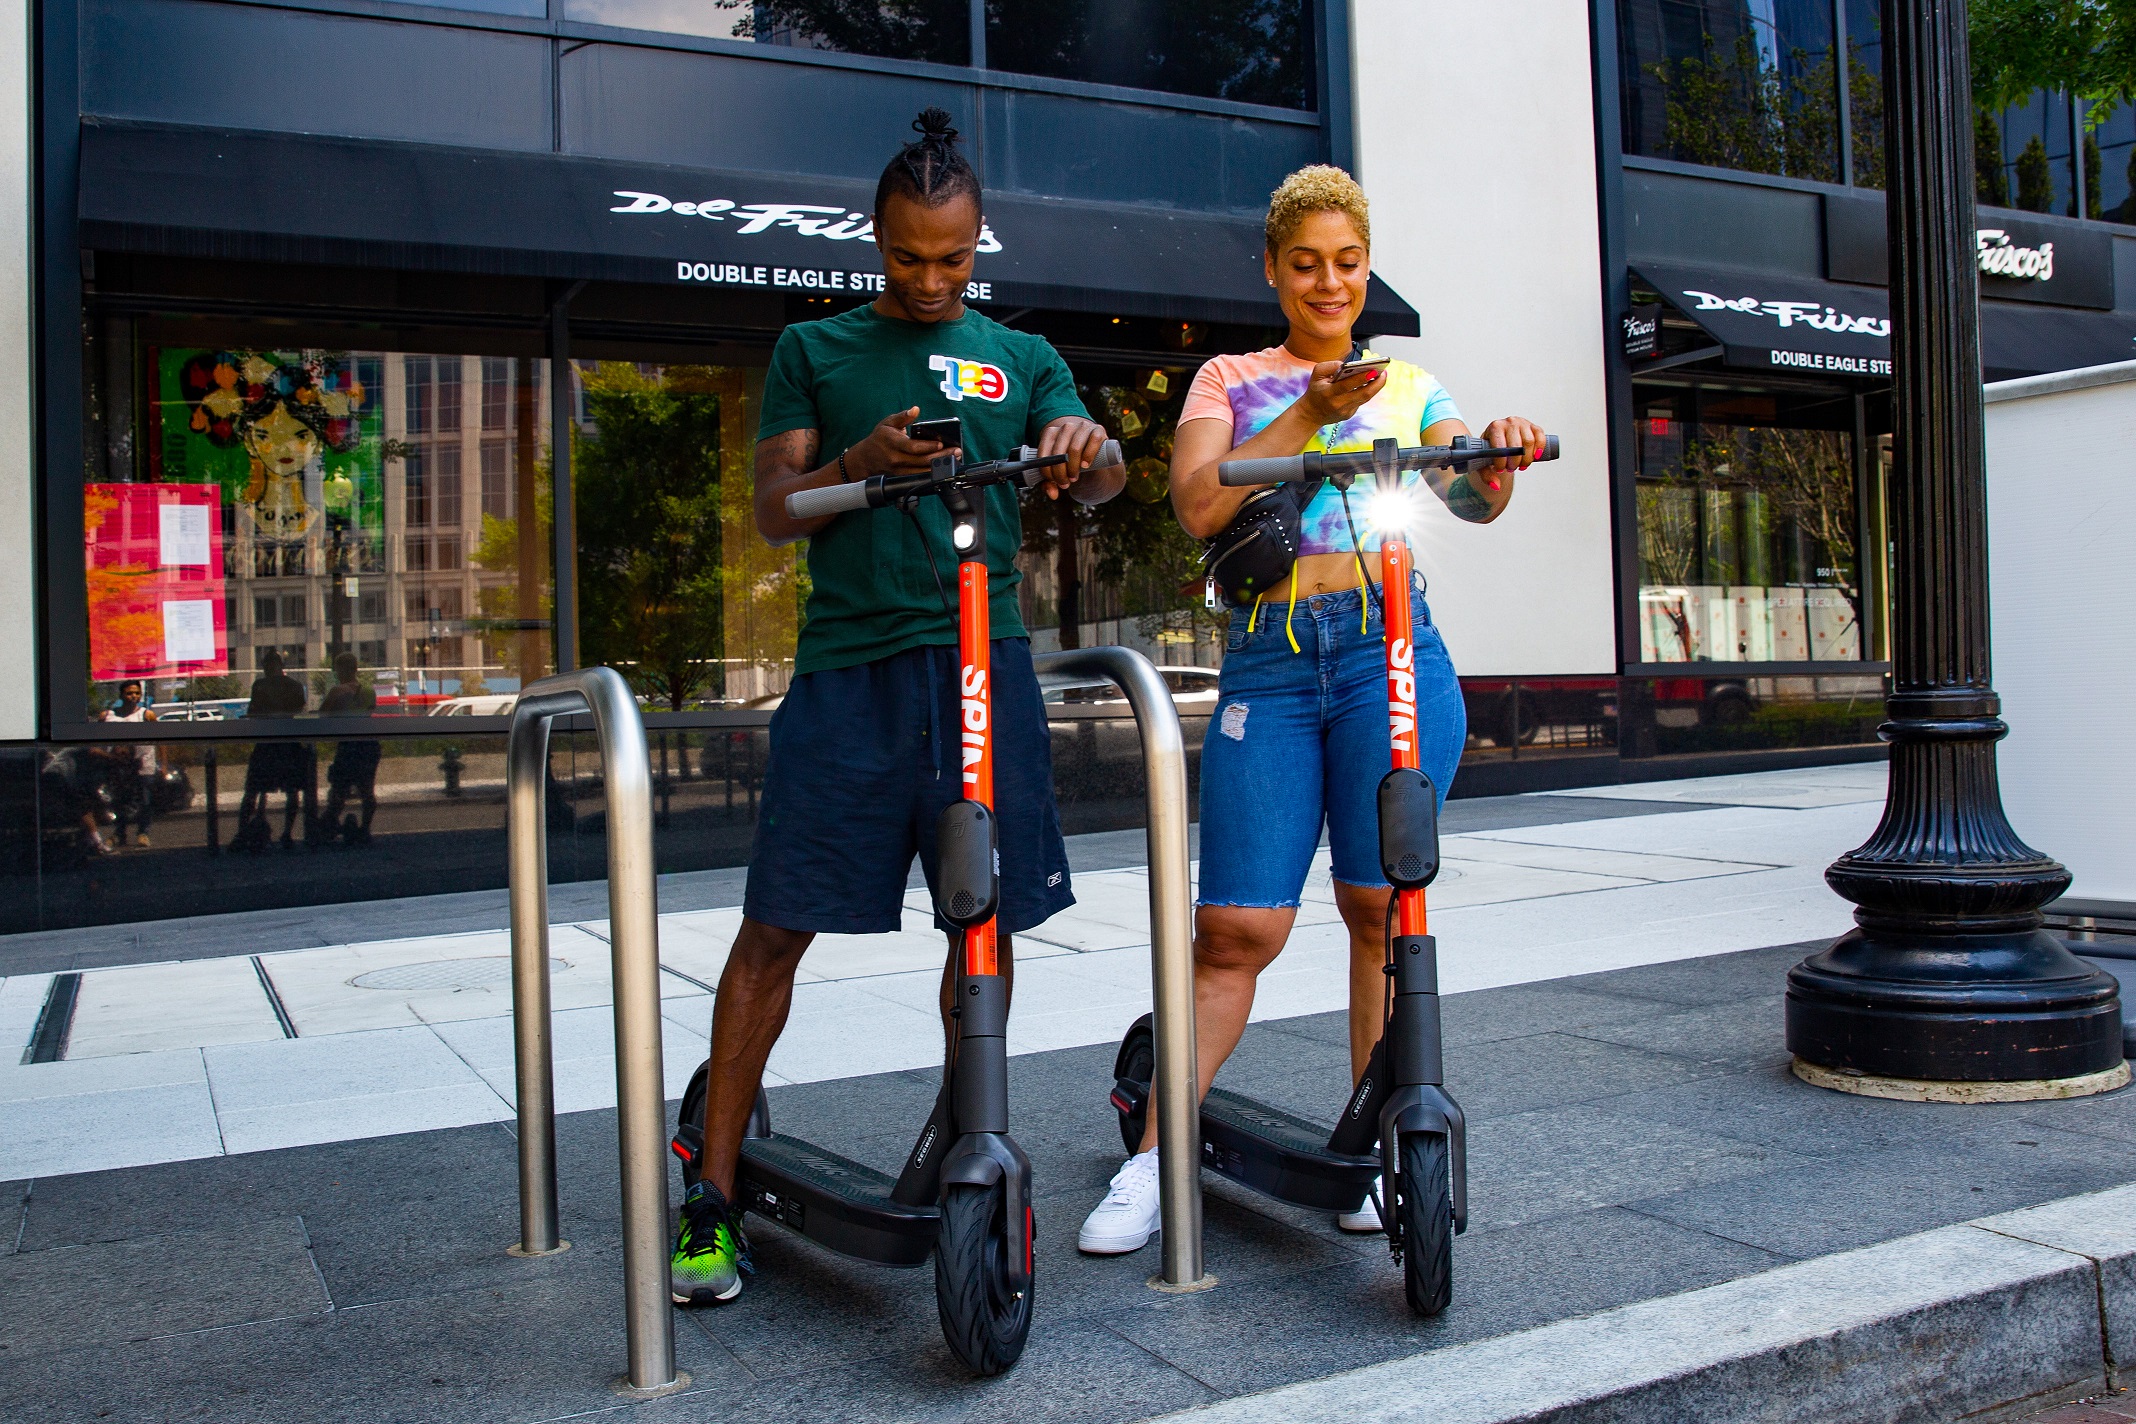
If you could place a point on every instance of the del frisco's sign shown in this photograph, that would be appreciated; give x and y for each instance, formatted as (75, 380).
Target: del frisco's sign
(2000, 257)
(833, 223)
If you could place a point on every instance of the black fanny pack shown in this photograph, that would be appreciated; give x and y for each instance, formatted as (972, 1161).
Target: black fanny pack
(1256, 550)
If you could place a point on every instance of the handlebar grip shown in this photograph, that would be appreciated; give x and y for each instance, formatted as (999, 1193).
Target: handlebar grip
(1550, 448)
(827, 499)
(1273, 470)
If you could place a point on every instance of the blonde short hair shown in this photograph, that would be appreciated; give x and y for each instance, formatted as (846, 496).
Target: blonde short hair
(1316, 188)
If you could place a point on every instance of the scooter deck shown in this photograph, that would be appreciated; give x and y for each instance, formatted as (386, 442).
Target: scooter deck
(834, 1201)
(1285, 1156)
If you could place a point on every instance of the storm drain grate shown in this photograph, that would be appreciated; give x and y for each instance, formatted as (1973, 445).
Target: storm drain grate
(486, 972)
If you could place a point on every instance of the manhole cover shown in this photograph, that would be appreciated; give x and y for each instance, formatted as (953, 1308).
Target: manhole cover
(487, 972)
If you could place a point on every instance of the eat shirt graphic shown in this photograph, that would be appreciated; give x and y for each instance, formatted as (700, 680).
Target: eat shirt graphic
(961, 378)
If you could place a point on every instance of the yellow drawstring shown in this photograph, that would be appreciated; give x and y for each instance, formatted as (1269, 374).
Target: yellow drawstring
(1287, 616)
(1256, 611)
(1364, 599)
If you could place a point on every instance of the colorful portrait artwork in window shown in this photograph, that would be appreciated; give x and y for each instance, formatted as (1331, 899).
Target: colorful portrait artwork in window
(295, 420)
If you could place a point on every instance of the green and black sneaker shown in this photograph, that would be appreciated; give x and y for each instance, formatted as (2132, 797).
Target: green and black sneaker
(710, 1252)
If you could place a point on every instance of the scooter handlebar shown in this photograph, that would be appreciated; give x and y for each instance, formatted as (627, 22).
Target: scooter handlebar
(1272, 470)
(827, 499)
(1467, 450)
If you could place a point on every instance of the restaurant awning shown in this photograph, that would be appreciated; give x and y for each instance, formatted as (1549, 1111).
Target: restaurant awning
(323, 200)
(1767, 321)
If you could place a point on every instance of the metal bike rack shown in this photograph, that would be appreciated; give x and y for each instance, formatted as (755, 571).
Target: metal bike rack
(1173, 1082)
(641, 1104)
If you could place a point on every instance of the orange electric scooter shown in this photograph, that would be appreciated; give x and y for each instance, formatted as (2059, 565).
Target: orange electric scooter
(1400, 1124)
(964, 1193)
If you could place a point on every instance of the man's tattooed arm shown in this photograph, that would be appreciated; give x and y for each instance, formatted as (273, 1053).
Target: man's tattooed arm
(785, 464)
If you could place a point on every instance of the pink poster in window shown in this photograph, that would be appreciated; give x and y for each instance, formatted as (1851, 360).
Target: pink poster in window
(154, 560)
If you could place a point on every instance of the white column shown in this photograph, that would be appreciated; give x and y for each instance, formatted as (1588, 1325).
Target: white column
(1476, 144)
(18, 535)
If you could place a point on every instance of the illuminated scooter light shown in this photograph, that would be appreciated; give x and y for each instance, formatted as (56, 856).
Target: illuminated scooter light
(1392, 511)
(961, 536)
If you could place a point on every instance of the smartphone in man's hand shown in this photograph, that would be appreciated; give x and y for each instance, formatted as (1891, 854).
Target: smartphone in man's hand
(949, 431)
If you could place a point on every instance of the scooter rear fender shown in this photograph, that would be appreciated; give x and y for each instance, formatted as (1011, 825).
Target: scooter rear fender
(980, 1159)
(1426, 1108)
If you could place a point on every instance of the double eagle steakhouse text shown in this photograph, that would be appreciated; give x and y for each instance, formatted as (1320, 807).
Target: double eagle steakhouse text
(833, 224)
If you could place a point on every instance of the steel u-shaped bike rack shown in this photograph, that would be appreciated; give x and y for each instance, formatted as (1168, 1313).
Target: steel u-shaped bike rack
(1173, 1083)
(634, 936)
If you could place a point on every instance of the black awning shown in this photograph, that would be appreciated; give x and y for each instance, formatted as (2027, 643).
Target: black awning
(1779, 323)
(304, 198)
(2031, 340)
(1769, 322)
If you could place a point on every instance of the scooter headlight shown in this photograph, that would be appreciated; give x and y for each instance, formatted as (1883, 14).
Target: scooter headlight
(1392, 511)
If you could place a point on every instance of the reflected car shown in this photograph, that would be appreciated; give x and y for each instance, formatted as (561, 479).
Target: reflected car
(190, 712)
(488, 705)
(1192, 687)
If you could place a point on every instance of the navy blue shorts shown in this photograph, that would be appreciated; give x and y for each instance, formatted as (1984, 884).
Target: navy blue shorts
(863, 759)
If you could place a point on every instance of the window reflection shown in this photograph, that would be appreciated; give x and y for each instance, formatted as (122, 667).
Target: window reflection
(1748, 548)
(934, 30)
(1743, 84)
(676, 588)
(1254, 51)
(285, 508)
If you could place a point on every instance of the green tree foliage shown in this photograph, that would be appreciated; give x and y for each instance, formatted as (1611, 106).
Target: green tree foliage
(2086, 48)
(2035, 177)
(1991, 185)
(1729, 109)
(910, 29)
(649, 539)
(524, 655)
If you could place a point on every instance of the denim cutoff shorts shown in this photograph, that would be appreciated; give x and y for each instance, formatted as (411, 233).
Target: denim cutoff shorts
(1300, 739)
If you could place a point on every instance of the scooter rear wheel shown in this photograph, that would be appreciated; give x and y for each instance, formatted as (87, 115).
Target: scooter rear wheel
(1426, 1213)
(1136, 1063)
(984, 1319)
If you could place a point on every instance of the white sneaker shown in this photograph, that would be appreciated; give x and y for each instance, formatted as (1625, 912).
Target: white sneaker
(1365, 1220)
(1127, 1218)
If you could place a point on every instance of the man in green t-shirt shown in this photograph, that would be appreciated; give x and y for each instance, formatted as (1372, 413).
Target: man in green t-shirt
(864, 752)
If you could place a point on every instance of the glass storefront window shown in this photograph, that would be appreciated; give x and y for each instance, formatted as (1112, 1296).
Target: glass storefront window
(276, 530)
(2021, 155)
(1748, 547)
(2110, 168)
(676, 587)
(938, 31)
(1865, 89)
(1742, 84)
(1254, 51)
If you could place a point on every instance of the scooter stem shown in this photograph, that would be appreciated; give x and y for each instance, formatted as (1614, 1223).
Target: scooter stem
(1395, 570)
(975, 738)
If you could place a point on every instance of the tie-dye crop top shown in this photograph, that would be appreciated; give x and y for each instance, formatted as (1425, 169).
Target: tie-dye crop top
(1249, 391)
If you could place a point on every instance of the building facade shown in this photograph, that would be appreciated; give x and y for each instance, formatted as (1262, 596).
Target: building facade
(434, 343)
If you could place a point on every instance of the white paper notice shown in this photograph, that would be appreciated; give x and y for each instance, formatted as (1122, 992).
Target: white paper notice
(185, 536)
(189, 630)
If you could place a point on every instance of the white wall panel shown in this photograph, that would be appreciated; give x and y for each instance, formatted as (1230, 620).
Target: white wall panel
(2061, 505)
(1476, 143)
(18, 537)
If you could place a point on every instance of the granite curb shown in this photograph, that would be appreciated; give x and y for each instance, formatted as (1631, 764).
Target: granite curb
(2028, 1304)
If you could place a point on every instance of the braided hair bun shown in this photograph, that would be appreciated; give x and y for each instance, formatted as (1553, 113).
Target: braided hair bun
(932, 169)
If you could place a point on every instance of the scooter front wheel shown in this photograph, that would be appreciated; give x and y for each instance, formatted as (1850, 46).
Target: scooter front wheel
(1134, 1069)
(1425, 1211)
(984, 1319)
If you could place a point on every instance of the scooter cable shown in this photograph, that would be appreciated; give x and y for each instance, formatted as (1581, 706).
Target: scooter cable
(1372, 589)
(919, 531)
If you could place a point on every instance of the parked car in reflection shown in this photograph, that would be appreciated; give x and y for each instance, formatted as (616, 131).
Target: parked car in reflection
(190, 712)
(1191, 687)
(499, 704)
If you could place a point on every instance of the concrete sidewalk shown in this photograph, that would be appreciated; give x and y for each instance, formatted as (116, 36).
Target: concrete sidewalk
(273, 1044)
(1636, 1141)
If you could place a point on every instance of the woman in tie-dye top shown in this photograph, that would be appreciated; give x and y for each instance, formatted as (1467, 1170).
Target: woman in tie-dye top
(1300, 735)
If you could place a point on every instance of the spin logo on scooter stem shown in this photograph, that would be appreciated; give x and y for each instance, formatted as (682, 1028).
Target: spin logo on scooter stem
(1402, 695)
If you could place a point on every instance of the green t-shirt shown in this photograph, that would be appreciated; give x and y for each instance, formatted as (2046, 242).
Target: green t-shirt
(872, 593)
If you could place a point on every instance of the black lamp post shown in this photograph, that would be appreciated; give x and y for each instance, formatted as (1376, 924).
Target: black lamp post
(1948, 982)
